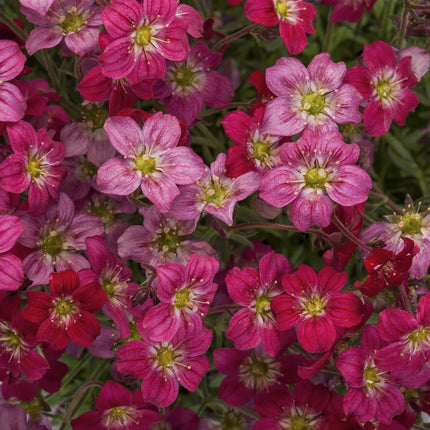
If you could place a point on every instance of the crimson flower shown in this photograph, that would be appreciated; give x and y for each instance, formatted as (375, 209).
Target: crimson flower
(313, 303)
(66, 314)
(386, 268)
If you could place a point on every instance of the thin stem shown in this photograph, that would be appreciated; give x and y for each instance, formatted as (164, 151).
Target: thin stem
(277, 227)
(403, 24)
(237, 35)
(352, 237)
(328, 33)
(9, 22)
(386, 22)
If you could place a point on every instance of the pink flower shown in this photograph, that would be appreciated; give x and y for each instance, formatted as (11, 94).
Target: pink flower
(371, 393)
(314, 304)
(76, 22)
(66, 313)
(40, 6)
(151, 159)
(215, 193)
(316, 170)
(185, 293)
(294, 17)
(35, 165)
(190, 84)
(161, 365)
(314, 98)
(348, 10)
(254, 150)
(56, 237)
(254, 290)
(384, 83)
(143, 37)
(161, 239)
(117, 408)
(12, 103)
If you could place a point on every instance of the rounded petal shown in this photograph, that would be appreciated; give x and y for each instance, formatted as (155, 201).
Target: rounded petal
(316, 334)
(117, 176)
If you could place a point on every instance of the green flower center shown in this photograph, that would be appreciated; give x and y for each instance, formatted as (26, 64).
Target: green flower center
(299, 423)
(314, 306)
(411, 223)
(11, 339)
(215, 195)
(165, 356)
(52, 244)
(383, 88)
(232, 421)
(168, 240)
(262, 305)
(102, 210)
(88, 169)
(72, 22)
(419, 335)
(316, 177)
(109, 287)
(146, 164)
(32, 408)
(313, 103)
(143, 35)
(95, 116)
(184, 77)
(370, 376)
(182, 298)
(33, 168)
(281, 8)
(261, 151)
(64, 307)
(258, 369)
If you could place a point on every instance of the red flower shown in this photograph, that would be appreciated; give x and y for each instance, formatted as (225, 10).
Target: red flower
(386, 269)
(67, 312)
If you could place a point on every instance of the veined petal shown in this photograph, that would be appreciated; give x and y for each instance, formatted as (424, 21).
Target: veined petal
(117, 176)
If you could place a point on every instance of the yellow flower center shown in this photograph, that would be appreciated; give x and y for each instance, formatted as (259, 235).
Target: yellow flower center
(182, 298)
(165, 356)
(72, 22)
(33, 168)
(411, 223)
(184, 77)
(262, 305)
(313, 103)
(52, 244)
(314, 306)
(281, 8)
(143, 35)
(370, 376)
(64, 307)
(146, 164)
(419, 335)
(316, 177)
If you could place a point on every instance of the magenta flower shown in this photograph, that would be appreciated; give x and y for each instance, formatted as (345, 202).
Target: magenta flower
(143, 37)
(294, 17)
(249, 374)
(151, 159)
(371, 394)
(161, 365)
(74, 22)
(185, 293)
(66, 313)
(348, 10)
(40, 6)
(254, 150)
(316, 171)
(314, 304)
(411, 224)
(215, 193)
(56, 237)
(117, 408)
(384, 83)
(12, 103)
(17, 340)
(35, 165)
(161, 239)
(190, 84)
(254, 290)
(314, 98)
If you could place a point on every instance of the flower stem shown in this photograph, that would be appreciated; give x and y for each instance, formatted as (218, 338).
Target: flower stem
(403, 25)
(11, 24)
(352, 237)
(377, 192)
(328, 33)
(234, 36)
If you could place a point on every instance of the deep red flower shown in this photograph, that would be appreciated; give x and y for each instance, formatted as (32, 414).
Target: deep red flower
(66, 314)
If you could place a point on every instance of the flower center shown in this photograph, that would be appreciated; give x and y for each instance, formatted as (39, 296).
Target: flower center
(182, 298)
(184, 77)
(33, 408)
(165, 356)
(118, 417)
(143, 35)
(383, 88)
(313, 103)
(9, 338)
(262, 305)
(418, 336)
(232, 421)
(314, 306)
(259, 372)
(52, 244)
(33, 168)
(88, 169)
(146, 164)
(168, 240)
(109, 287)
(64, 307)
(281, 8)
(72, 22)
(410, 223)
(102, 210)
(316, 178)
(95, 116)
(370, 376)
(299, 423)
(215, 195)
(261, 151)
